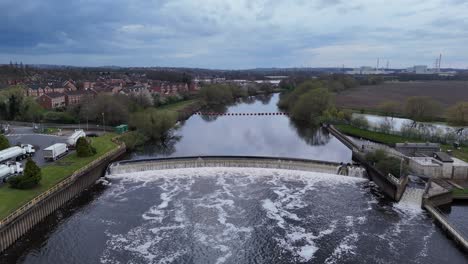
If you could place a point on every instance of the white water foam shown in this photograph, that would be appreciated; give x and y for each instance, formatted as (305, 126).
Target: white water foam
(147, 240)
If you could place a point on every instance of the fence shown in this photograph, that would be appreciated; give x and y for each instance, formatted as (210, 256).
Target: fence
(60, 185)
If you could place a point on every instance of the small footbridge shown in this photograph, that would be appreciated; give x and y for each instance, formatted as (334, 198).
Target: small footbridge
(391, 186)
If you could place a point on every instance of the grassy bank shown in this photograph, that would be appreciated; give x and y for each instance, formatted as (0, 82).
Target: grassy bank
(11, 199)
(380, 137)
(460, 192)
(391, 140)
(179, 106)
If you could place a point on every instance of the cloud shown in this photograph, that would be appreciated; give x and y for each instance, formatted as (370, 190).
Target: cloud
(233, 33)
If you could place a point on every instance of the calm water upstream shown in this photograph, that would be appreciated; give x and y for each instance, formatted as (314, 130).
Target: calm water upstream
(234, 215)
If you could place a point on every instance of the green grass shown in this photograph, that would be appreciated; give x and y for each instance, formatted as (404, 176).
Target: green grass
(391, 140)
(461, 192)
(179, 106)
(380, 137)
(51, 130)
(12, 199)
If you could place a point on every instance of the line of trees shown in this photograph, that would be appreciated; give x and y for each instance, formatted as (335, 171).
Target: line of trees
(424, 108)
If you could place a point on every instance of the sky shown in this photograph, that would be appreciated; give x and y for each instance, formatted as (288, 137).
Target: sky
(234, 34)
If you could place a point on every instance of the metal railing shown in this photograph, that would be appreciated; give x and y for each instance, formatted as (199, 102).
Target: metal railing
(60, 185)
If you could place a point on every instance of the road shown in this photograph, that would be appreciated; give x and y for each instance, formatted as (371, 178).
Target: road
(26, 135)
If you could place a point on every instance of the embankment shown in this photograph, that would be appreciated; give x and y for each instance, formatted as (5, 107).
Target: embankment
(27, 216)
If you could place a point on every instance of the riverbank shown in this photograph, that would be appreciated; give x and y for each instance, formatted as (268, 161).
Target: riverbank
(13, 199)
(391, 140)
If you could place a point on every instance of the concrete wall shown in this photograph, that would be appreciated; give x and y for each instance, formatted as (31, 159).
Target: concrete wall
(13, 230)
(392, 187)
(460, 173)
(223, 161)
(433, 170)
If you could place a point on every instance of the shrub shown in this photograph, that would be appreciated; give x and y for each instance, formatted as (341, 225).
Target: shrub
(458, 114)
(4, 144)
(386, 164)
(360, 122)
(83, 148)
(59, 117)
(31, 177)
(421, 108)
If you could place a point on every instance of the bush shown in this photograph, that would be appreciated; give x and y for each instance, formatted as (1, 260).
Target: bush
(59, 117)
(360, 122)
(458, 114)
(4, 143)
(386, 164)
(31, 177)
(84, 149)
(422, 108)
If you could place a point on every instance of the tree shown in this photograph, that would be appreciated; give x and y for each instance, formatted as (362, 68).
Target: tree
(311, 105)
(84, 148)
(216, 94)
(389, 108)
(4, 143)
(31, 177)
(115, 108)
(421, 108)
(458, 114)
(153, 124)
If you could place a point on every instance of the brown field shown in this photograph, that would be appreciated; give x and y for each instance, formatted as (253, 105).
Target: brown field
(447, 93)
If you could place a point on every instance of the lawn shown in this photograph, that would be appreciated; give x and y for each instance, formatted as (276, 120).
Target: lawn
(380, 137)
(11, 198)
(391, 140)
(179, 106)
(460, 192)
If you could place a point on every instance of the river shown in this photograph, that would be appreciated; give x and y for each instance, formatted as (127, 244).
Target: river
(235, 215)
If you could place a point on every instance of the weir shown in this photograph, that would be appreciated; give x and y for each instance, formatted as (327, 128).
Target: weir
(128, 166)
(390, 185)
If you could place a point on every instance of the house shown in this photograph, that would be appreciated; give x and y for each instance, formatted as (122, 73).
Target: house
(69, 85)
(52, 100)
(75, 97)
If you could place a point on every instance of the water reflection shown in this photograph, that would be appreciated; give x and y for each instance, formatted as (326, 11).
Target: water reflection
(422, 130)
(264, 98)
(313, 136)
(165, 147)
(250, 135)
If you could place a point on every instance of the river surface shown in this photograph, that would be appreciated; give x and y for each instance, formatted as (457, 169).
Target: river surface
(235, 215)
(397, 124)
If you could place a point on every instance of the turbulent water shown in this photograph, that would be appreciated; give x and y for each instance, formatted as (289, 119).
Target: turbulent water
(233, 215)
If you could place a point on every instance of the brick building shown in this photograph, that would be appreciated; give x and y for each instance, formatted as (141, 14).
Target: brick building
(52, 100)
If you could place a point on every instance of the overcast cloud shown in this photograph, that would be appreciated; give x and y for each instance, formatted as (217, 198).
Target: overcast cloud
(234, 34)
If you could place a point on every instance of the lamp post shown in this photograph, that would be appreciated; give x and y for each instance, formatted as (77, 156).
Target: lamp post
(103, 123)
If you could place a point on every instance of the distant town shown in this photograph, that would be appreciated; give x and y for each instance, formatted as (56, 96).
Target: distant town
(57, 87)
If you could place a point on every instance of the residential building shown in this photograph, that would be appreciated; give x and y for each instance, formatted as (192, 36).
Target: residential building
(75, 97)
(52, 100)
